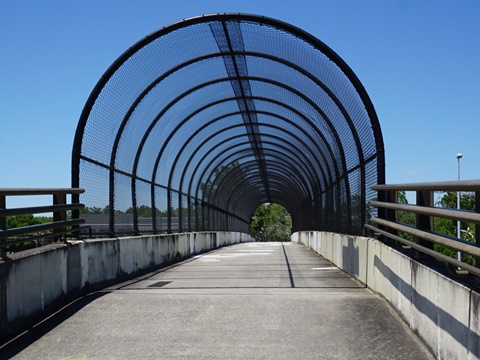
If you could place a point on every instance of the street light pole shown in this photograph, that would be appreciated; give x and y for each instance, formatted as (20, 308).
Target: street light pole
(459, 234)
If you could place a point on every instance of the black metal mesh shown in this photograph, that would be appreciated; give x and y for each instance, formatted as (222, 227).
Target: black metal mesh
(204, 120)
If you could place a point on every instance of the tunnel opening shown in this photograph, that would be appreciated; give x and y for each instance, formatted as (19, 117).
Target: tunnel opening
(271, 222)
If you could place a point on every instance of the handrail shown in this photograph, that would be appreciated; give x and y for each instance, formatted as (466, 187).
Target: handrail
(387, 224)
(471, 269)
(50, 235)
(56, 229)
(41, 227)
(462, 246)
(39, 191)
(462, 185)
(39, 209)
(453, 214)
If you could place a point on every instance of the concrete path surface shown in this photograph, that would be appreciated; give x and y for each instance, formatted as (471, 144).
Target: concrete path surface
(248, 301)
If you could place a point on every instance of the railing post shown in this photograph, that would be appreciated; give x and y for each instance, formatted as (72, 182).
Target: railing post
(3, 298)
(391, 197)
(477, 235)
(424, 222)
(388, 196)
(3, 273)
(59, 199)
(3, 223)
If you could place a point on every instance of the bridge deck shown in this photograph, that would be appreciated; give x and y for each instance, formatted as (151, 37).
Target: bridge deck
(249, 301)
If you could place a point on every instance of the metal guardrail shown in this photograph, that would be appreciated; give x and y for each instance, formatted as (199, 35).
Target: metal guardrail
(55, 230)
(387, 223)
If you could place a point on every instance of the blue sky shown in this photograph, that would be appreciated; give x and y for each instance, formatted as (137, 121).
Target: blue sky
(419, 61)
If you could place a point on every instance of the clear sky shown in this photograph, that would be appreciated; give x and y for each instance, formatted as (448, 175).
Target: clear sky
(419, 61)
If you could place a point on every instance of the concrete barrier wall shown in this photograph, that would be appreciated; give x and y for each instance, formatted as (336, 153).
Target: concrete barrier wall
(36, 279)
(444, 313)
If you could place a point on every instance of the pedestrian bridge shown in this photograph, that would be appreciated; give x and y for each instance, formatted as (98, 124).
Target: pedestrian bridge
(184, 136)
(206, 119)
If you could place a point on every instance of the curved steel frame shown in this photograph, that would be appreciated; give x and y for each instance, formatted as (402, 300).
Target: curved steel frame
(276, 145)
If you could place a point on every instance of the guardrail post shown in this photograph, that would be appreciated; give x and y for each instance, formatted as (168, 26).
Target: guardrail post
(59, 199)
(424, 222)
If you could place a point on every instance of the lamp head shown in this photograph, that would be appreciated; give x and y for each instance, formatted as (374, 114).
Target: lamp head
(459, 156)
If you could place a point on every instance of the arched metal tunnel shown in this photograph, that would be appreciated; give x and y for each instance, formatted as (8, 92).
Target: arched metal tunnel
(199, 123)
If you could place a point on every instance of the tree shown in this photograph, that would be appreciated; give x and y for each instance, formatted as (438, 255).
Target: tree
(449, 227)
(271, 222)
(26, 220)
(443, 226)
(210, 188)
(91, 210)
(22, 221)
(142, 211)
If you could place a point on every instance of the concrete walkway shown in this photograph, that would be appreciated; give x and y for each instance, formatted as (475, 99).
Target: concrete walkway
(248, 301)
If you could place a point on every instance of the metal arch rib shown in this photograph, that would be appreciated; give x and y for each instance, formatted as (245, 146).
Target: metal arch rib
(305, 170)
(293, 181)
(275, 127)
(248, 78)
(274, 153)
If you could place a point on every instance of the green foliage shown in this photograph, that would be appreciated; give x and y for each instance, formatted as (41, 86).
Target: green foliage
(271, 222)
(233, 170)
(443, 226)
(402, 197)
(93, 210)
(22, 221)
(99, 210)
(449, 200)
(26, 220)
(142, 211)
(449, 227)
